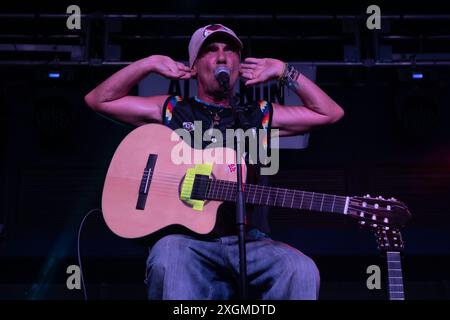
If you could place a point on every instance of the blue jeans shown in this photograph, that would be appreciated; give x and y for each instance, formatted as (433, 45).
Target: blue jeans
(181, 267)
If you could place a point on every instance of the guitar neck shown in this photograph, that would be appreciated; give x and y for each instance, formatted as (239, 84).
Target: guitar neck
(278, 197)
(395, 277)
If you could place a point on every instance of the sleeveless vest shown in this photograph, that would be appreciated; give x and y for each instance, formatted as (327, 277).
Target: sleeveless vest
(179, 113)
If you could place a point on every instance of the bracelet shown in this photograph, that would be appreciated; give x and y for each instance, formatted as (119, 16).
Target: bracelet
(285, 66)
(289, 76)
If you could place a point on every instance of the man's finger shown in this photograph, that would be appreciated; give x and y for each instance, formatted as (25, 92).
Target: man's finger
(248, 66)
(247, 75)
(250, 82)
(252, 60)
(183, 67)
(187, 75)
(175, 74)
(173, 70)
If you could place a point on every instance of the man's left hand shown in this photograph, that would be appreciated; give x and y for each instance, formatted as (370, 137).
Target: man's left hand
(260, 70)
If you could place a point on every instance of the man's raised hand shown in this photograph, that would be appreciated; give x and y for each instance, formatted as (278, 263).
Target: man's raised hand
(169, 68)
(260, 70)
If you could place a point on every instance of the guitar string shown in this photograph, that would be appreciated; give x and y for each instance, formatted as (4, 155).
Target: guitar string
(175, 180)
(227, 186)
(333, 206)
(338, 207)
(224, 185)
(259, 190)
(295, 201)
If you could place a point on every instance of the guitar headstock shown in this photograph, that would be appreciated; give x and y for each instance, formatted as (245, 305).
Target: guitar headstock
(378, 211)
(389, 239)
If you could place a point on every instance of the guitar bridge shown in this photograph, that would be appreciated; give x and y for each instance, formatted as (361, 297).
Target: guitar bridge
(146, 181)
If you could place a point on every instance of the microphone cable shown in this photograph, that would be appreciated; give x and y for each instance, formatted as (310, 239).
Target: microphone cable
(83, 285)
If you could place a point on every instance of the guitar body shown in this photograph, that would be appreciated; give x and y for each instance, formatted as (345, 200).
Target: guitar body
(163, 206)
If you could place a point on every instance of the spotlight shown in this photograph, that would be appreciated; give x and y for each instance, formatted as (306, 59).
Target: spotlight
(54, 75)
(416, 75)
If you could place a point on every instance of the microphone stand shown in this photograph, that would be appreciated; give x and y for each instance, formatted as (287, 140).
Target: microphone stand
(241, 220)
(240, 122)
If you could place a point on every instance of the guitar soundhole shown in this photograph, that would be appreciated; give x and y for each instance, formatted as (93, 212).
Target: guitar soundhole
(179, 191)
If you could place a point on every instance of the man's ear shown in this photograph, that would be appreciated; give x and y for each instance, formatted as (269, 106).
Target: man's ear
(194, 72)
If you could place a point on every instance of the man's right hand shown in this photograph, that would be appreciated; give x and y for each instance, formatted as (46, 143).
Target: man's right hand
(169, 68)
(111, 96)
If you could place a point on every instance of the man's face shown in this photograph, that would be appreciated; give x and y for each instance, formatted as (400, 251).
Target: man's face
(218, 51)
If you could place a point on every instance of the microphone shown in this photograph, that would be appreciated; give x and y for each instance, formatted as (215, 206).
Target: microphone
(222, 75)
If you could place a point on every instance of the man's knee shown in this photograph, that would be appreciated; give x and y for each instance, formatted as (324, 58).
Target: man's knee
(303, 270)
(305, 266)
(167, 252)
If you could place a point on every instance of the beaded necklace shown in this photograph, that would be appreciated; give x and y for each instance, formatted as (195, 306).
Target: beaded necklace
(215, 115)
(210, 104)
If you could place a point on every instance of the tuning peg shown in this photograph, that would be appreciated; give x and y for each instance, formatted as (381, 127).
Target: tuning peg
(376, 205)
(388, 207)
(374, 217)
(386, 220)
(367, 196)
(361, 214)
(362, 223)
(364, 204)
(393, 199)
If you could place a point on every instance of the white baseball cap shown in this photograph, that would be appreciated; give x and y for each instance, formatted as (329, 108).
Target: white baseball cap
(199, 37)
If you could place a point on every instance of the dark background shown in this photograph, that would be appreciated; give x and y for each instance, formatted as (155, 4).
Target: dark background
(393, 141)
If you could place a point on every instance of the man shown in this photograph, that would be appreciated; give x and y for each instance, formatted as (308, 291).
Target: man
(187, 266)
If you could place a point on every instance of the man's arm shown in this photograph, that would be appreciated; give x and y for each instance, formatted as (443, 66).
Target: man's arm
(111, 96)
(318, 109)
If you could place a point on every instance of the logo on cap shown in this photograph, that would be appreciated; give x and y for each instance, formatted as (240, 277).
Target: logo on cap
(213, 28)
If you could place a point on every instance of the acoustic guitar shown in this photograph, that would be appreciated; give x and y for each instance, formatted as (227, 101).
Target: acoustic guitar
(145, 190)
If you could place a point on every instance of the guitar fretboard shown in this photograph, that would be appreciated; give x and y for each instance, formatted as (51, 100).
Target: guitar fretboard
(277, 197)
(395, 276)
